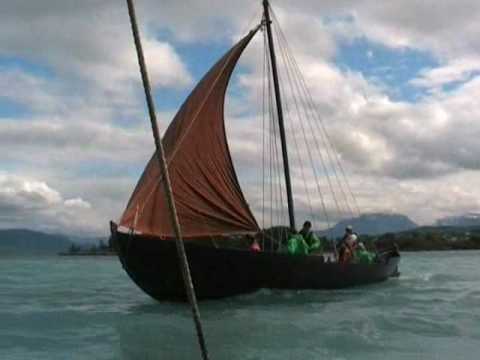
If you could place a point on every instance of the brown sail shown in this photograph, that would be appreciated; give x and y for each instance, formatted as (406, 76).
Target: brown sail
(207, 193)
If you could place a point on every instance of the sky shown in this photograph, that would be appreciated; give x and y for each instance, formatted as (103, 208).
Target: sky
(396, 85)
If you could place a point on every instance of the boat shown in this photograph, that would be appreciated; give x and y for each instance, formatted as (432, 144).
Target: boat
(213, 213)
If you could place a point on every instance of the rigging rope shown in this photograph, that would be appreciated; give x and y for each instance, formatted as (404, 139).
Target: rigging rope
(279, 205)
(189, 289)
(301, 121)
(315, 138)
(307, 135)
(309, 104)
(277, 199)
(317, 147)
(264, 69)
(270, 140)
(297, 148)
(307, 146)
(323, 132)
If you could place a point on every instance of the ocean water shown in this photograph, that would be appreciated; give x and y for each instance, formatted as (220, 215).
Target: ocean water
(87, 308)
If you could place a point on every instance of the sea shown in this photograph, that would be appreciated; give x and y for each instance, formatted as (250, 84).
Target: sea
(54, 307)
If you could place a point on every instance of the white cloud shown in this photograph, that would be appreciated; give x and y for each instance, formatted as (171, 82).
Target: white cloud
(404, 151)
(77, 203)
(26, 201)
(459, 70)
(90, 41)
(85, 142)
(37, 194)
(60, 144)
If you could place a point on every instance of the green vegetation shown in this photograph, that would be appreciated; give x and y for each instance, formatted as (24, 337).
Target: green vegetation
(430, 238)
(101, 248)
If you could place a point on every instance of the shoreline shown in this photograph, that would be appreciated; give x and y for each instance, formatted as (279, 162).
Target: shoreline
(87, 253)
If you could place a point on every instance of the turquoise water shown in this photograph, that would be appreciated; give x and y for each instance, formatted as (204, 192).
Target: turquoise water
(87, 308)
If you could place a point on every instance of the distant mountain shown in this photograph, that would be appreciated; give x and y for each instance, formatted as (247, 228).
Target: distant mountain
(29, 241)
(471, 219)
(373, 224)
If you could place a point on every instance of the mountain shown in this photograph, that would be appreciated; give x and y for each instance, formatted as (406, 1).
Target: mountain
(28, 241)
(471, 219)
(373, 224)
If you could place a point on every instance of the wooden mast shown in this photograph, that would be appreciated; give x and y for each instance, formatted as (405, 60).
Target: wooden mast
(166, 183)
(286, 168)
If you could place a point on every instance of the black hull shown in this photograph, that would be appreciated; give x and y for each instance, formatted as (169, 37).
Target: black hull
(217, 272)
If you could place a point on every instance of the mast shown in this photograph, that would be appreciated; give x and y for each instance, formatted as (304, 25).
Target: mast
(187, 278)
(286, 168)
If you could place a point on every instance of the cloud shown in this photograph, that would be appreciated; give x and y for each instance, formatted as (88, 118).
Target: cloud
(37, 194)
(426, 25)
(459, 70)
(77, 203)
(89, 41)
(28, 198)
(84, 140)
(60, 144)
(403, 150)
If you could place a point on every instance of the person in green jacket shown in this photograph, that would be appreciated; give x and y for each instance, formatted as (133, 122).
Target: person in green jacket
(297, 245)
(363, 256)
(311, 239)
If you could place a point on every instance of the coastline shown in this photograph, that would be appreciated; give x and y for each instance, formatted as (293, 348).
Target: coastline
(88, 253)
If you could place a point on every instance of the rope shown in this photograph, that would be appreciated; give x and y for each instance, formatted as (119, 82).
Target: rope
(279, 206)
(308, 147)
(263, 135)
(309, 103)
(270, 145)
(296, 105)
(297, 148)
(324, 163)
(277, 202)
(323, 131)
(167, 186)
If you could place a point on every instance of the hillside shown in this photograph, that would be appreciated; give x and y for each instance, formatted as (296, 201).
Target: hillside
(29, 241)
(431, 238)
(373, 224)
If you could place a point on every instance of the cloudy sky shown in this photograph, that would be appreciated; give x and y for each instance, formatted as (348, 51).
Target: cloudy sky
(396, 84)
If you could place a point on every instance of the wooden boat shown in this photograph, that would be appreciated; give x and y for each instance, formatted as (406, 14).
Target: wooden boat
(212, 209)
(222, 272)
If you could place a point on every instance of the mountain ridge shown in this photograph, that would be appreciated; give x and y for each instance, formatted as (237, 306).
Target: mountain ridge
(21, 240)
(372, 224)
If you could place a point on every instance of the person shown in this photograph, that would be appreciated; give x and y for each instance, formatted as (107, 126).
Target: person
(349, 237)
(254, 245)
(348, 245)
(310, 238)
(297, 245)
(363, 256)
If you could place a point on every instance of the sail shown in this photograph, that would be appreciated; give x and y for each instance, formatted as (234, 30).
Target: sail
(207, 194)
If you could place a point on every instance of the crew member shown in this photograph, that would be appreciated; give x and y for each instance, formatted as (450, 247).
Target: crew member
(297, 245)
(254, 245)
(363, 256)
(348, 245)
(310, 238)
